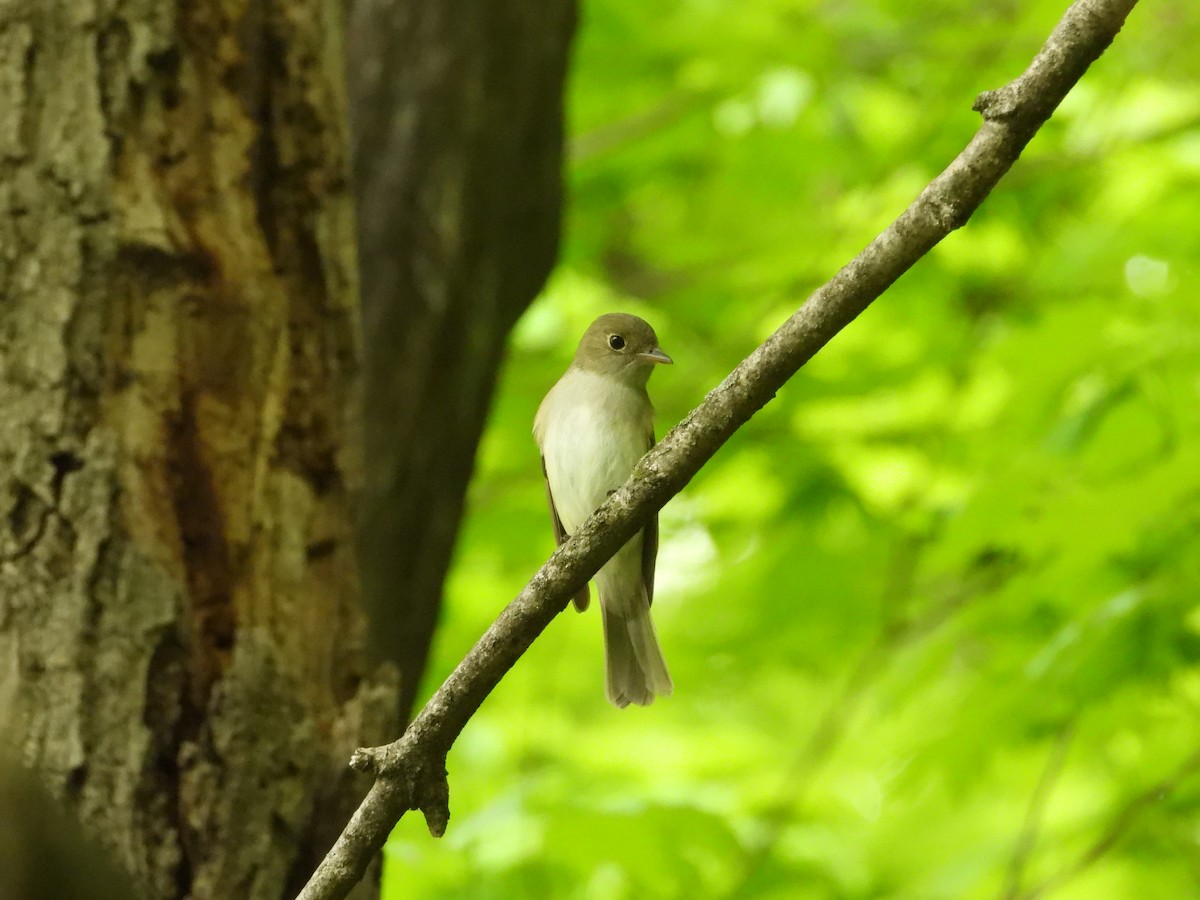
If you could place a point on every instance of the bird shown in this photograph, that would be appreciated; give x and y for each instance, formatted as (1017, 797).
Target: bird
(593, 426)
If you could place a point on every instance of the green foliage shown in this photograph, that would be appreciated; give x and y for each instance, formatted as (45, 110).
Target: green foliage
(939, 600)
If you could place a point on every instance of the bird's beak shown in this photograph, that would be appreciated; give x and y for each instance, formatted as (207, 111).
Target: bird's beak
(655, 356)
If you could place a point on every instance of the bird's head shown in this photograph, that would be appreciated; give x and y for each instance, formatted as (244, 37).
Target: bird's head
(622, 346)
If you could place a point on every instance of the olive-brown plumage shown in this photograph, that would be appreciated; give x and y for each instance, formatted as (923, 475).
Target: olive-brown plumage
(592, 428)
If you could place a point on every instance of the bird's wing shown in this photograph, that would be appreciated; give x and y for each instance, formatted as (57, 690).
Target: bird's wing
(649, 552)
(649, 545)
(582, 598)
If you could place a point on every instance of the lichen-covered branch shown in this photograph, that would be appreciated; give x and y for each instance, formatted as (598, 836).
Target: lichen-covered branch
(410, 773)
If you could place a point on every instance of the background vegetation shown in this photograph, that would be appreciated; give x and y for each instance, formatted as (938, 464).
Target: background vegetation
(933, 615)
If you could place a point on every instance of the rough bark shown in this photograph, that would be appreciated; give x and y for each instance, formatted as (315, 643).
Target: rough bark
(411, 772)
(457, 129)
(181, 651)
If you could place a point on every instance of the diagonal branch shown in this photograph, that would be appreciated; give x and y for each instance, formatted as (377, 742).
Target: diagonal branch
(411, 773)
(1125, 818)
(1036, 811)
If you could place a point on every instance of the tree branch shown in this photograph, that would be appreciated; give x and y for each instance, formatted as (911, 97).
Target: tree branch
(1126, 817)
(411, 773)
(899, 629)
(1036, 811)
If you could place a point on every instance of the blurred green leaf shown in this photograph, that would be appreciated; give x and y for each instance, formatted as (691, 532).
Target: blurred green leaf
(969, 527)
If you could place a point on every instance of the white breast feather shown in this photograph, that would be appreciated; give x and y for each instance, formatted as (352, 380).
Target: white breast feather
(587, 448)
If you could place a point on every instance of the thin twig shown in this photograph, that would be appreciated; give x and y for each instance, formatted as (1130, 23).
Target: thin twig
(615, 135)
(411, 772)
(840, 713)
(1124, 819)
(1036, 811)
(900, 629)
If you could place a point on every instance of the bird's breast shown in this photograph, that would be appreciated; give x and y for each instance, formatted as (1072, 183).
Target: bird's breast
(591, 437)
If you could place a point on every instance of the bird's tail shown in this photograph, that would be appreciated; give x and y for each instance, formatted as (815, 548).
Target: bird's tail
(635, 671)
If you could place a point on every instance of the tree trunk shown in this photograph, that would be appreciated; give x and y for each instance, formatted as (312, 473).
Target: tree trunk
(457, 112)
(181, 646)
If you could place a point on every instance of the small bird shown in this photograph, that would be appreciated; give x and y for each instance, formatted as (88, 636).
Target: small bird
(592, 428)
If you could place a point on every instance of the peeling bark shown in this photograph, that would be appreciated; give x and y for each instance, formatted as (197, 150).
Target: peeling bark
(181, 648)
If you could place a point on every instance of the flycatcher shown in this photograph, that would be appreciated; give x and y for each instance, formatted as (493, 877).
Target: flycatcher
(592, 428)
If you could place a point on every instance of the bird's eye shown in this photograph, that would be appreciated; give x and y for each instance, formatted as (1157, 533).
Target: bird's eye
(616, 342)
